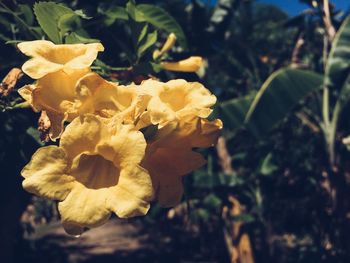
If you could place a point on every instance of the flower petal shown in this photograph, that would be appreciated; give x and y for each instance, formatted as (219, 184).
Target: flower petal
(49, 58)
(88, 55)
(125, 148)
(57, 124)
(171, 190)
(56, 91)
(177, 99)
(37, 68)
(46, 174)
(159, 113)
(132, 195)
(35, 48)
(190, 133)
(208, 134)
(107, 99)
(84, 207)
(180, 161)
(166, 167)
(83, 134)
(191, 64)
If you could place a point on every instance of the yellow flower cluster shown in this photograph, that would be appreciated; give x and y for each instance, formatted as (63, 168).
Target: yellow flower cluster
(124, 146)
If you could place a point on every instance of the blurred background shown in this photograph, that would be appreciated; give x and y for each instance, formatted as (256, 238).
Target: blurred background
(276, 187)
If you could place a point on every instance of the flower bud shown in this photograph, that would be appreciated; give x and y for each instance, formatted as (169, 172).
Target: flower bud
(169, 43)
(191, 64)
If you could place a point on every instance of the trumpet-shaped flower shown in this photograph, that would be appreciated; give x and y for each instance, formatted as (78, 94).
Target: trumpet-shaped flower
(55, 93)
(191, 64)
(95, 171)
(188, 133)
(169, 155)
(49, 58)
(167, 166)
(175, 100)
(64, 96)
(96, 95)
(169, 43)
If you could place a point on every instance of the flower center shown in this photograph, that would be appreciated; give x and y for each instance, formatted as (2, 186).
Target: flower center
(62, 55)
(95, 172)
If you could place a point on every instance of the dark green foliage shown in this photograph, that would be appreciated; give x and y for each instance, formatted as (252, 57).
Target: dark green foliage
(338, 64)
(282, 91)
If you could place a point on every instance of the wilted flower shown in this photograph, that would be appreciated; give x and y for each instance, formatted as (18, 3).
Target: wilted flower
(95, 171)
(49, 58)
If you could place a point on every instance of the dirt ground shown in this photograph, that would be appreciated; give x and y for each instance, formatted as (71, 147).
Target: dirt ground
(121, 241)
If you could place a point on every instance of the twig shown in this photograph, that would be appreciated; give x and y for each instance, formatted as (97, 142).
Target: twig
(306, 121)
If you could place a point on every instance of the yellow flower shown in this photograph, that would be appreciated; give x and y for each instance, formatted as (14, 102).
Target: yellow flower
(167, 166)
(49, 58)
(169, 43)
(191, 64)
(175, 100)
(169, 155)
(95, 171)
(188, 133)
(55, 93)
(64, 96)
(107, 99)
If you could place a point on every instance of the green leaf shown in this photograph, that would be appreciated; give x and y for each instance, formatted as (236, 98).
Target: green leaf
(282, 91)
(338, 64)
(35, 134)
(212, 201)
(113, 14)
(142, 33)
(147, 42)
(200, 214)
(23, 25)
(4, 21)
(268, 166)
(74, 38)
(13, 42)
(134, 13)
(201, 179)
(68, 23)
(222, 14)
(247, 218)
(233, 112)
(27, 14)
(48, 15)
(159, 18)
(81, 14)
(343, 97)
